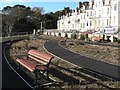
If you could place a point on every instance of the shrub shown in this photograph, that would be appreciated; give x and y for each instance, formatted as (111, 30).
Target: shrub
(118, 40)
(73, 36)
(66, 35)
(32, 47)
(71, 44)
(115, 39)
(82, 37)
(59, 34)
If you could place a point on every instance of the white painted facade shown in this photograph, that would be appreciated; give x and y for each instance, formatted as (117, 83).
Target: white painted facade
(101, 16)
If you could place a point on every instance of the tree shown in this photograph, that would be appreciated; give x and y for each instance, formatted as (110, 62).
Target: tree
(12, 15)
(51, 20)
(21, 19)
(37, 16)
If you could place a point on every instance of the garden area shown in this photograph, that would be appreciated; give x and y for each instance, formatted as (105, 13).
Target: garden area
(68, 74)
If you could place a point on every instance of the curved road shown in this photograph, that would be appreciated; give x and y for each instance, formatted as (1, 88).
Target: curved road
(109, 70)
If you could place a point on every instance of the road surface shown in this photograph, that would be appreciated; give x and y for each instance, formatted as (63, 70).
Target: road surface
(100, 67)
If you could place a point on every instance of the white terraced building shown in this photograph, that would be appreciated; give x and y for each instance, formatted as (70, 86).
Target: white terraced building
(102, 16)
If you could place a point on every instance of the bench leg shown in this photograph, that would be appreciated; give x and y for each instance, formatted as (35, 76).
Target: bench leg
(18, 66)
(36, 78)
(48, 75)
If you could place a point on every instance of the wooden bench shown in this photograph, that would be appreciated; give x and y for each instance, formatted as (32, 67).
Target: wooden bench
(36, 62)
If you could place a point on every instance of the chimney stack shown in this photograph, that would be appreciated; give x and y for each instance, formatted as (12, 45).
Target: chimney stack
(79, 5)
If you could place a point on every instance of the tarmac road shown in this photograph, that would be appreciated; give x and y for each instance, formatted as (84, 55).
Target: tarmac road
(100, 67)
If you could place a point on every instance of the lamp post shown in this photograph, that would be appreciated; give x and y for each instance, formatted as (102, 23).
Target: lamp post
(41, 28)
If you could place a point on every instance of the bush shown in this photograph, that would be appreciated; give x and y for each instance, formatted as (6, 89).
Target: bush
(32, 47)
(115, 39)
(118, 40)
(73, 36)
(71, 44)
(66, 35)
(81, 43)
(59, 34)
(82, 37)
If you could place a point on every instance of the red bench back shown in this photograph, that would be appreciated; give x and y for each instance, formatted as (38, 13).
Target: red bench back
(40, 56)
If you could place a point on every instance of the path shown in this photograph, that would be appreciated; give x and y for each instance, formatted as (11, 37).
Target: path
(82, 61)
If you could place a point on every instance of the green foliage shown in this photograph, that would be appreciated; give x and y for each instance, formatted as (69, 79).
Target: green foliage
(23, 26)
(20, 18)
(118, 40)
(50, 20)
(82, 37)
(73, 36)
(115, 39)
(59, 34)
(66, 35)
(86, 35)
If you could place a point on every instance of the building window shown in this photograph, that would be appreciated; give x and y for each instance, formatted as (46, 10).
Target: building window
(103, 11)
(99, 22)
(90, 23)
(107, 22)
(73, 26)
(96, 4)
(115, 7)
(84, 16)
(87, 23)
(87, 14)
(95, 13)
(103, 22)
(81, 25)
(107, 10)
(91, 13)
(78, 20)
(114, 19)
(68, 21)
(99, 11)
(99, 3)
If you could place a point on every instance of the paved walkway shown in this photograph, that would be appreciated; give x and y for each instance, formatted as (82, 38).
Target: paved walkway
(9, 78)
(82, 61)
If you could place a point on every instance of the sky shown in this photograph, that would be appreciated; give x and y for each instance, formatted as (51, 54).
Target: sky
(48, 5)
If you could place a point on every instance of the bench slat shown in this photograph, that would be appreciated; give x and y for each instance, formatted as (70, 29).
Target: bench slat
(27, 64)
(38, 60)
(30, 65)
(41, 55)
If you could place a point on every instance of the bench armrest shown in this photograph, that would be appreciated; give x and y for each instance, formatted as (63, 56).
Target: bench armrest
(41, 67)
